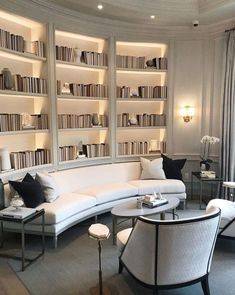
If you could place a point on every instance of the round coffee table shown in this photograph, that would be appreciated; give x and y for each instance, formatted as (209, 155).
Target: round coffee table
(129, 209)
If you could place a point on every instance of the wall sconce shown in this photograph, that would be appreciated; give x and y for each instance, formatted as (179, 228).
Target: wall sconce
(187, 113)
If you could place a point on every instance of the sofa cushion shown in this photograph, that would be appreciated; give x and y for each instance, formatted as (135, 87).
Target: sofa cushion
(110, 192)
(152, 169)
(49, 186)
(65, 206)
(172, 168)
(30, 190)
(171, 186)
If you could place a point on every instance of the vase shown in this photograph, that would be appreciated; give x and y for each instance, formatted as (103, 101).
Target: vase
(205, 166)
(77, 55)
(5, 159)
(95, 119)
(7, 78)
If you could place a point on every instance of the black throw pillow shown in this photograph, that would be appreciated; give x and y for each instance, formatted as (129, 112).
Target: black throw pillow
(172, 168)
(30, 191)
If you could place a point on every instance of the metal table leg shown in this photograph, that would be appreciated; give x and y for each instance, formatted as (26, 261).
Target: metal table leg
(200, 197)
(162, 216)
(2, 233)
(23, 245)
(191, 186)
(114, 219)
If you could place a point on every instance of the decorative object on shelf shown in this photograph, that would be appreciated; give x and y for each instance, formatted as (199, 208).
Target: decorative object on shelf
(7, 77)
(154, 145)
(5, 159)
(26, 121)
(95, 119)
(134, 92)
(80, 153)
(77, 55)
(207, 141)
(28, 46)
(16, 202)
(133, 120)
(150, 63)
(139, 203)
(65, 88)
(187, 113)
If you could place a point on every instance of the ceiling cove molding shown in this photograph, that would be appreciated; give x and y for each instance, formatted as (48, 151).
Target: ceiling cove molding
(43, 11)
(208, 5)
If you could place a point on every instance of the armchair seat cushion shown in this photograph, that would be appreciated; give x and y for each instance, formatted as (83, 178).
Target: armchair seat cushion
(110, 191)
(122, 238)
(227, 210)
(172, 186)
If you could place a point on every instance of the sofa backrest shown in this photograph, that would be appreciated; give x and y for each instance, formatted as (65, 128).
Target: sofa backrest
(75, 179)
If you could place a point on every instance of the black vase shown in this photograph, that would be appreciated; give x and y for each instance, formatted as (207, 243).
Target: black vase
(207, 165)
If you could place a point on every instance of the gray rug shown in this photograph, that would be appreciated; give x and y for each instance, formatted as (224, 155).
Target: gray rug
(72, 268)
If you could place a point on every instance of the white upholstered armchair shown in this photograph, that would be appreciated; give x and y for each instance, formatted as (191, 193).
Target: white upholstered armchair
(170, 254)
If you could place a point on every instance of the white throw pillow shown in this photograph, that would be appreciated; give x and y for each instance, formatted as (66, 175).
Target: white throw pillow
(49, 186)
(152, 169)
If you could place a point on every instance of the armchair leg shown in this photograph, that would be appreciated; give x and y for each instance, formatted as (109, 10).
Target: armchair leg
(205, 286)
(120, 268)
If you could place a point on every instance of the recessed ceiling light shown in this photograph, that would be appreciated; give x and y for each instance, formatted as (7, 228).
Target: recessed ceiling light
(100, 6)
(152, 16)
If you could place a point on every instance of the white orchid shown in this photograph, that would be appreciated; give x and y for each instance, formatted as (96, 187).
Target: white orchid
(207, 140)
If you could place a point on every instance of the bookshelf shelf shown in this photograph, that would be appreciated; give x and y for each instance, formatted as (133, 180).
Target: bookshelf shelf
(140, 99)
(21, 94)
(138, 127)
(79, 66)
(139, 155)
(21, 56)
(82, 98)
(18, 132)
(84, 160)
(140, 71)
(84, 129)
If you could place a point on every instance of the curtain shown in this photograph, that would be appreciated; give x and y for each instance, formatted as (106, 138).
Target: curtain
(228, 111)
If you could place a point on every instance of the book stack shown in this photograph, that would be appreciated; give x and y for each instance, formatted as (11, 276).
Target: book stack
(11, 41)
(143, 120)
(67, 153)
(24, 159)
(79, 121)
(38, 48)
(29, 84)
(130, 62)
(95, 150)
(94, 58)
(21, 213)
(138, 148)
(123, 91)
(92, 90)
(64, 53)
(14, 122)
(143, 92)
(153, 201)
(160, 63)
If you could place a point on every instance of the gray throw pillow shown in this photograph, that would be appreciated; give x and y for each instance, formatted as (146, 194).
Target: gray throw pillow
(152, 169)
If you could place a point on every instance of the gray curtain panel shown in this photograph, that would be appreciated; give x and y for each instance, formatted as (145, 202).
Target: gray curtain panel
(228, 118)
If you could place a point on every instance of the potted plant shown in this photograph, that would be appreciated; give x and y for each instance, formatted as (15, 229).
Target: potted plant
(207, 141)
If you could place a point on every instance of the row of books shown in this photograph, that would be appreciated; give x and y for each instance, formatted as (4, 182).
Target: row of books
(17, 43)
(130, 62)
(14, 122)
(68, 54)
(160, 63)
(71, 152)
(90, 90)
(25, 159)
(138, 148)
(142, 92)
(143, 120)
(26, 84)
(81, 121)
(94, 58)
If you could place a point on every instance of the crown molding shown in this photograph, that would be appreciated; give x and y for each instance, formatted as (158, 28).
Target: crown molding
(66, 19)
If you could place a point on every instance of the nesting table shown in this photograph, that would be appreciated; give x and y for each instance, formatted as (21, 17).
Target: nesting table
(23, 222)
(129, 209)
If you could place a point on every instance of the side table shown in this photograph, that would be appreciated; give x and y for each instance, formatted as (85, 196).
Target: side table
(203, 180)
(23, 222)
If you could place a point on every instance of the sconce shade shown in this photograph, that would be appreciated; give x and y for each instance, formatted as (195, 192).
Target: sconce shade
(187, 113)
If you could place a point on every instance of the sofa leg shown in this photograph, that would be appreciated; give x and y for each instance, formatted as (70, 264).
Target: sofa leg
(205, 286)
(55, 240)
(155, 291)
(96, 218)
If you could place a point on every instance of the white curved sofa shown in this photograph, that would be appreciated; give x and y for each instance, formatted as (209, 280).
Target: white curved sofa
(90, 191)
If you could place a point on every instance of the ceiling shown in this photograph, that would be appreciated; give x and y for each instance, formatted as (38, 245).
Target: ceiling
(167, 12)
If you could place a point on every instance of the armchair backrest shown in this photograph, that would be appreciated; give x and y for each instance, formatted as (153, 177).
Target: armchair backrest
(171, 252)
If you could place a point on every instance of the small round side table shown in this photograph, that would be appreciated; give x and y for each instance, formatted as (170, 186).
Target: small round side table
(99, 232)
